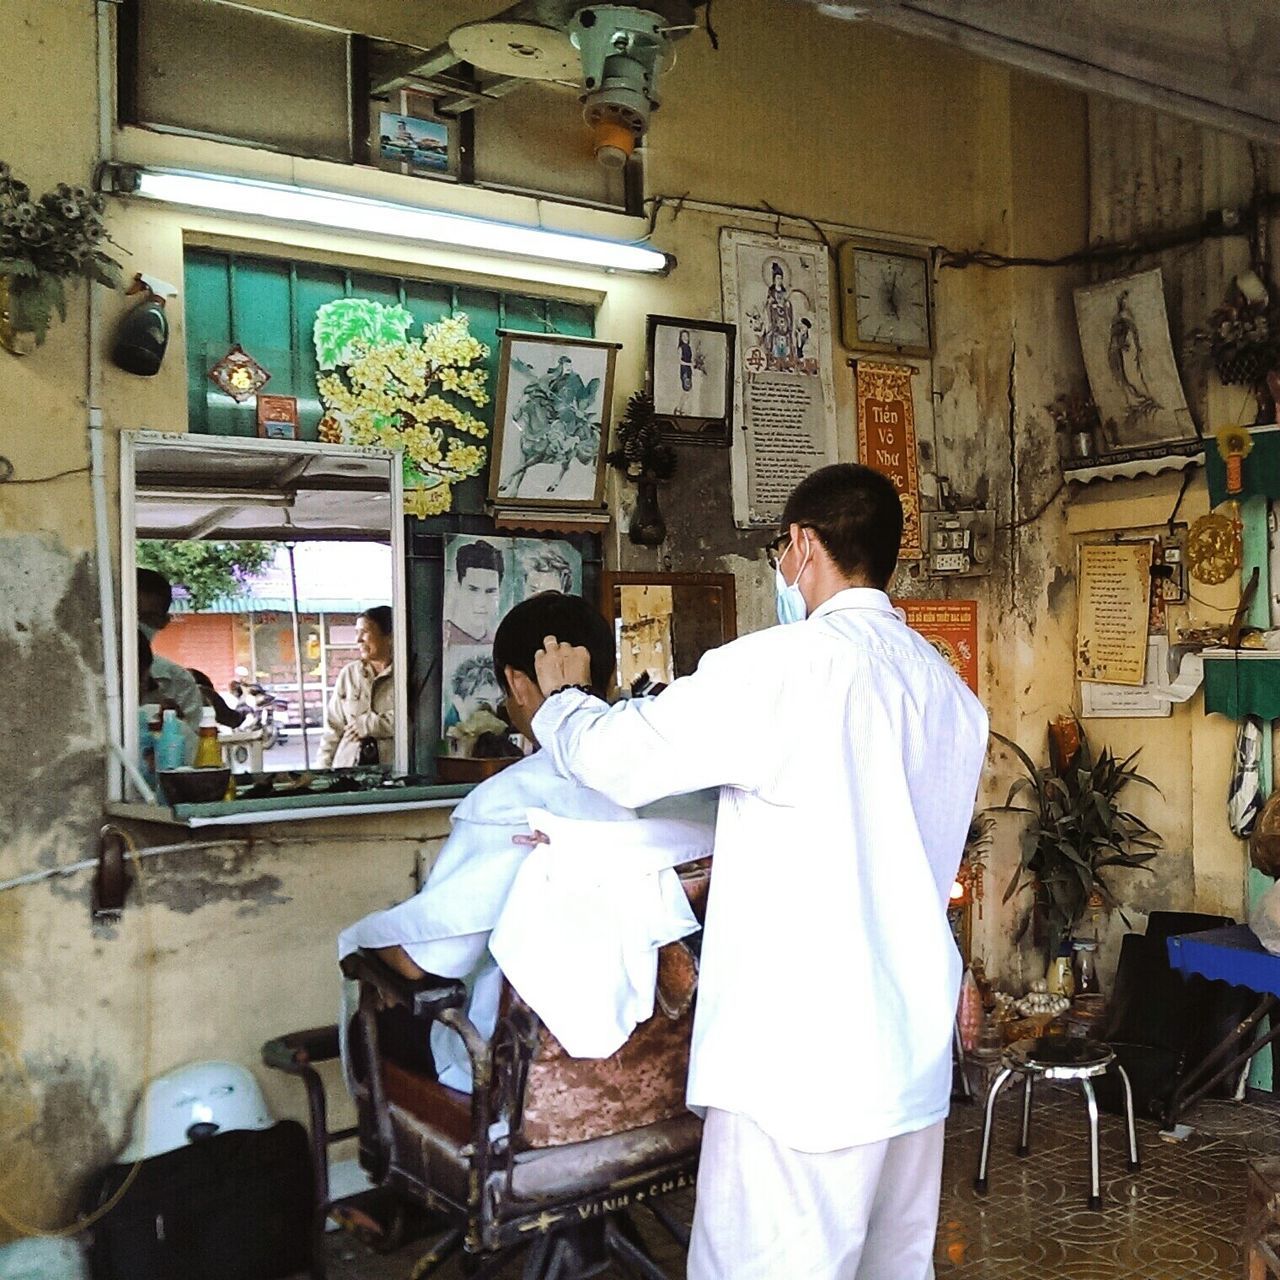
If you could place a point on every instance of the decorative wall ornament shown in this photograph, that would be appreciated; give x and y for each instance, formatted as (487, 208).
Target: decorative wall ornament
(44, 243)
(239, 375)
(1214, 549)
(386, 388)
(887, 440)
(643, 458)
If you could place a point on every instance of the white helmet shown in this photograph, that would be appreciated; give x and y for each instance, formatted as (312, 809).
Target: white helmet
(192, 1102)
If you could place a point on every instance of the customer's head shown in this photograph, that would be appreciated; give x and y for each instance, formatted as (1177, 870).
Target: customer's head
(373, 634)
(520, 635)
(155, 595)
(854, 514)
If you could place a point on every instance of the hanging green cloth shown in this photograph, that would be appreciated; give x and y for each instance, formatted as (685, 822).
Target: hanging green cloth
(1238, 687)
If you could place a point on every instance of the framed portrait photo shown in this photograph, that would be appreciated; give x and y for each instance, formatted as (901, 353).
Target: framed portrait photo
(690, 370)
(549, 433)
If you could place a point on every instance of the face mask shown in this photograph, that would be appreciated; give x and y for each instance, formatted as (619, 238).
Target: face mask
(791, 605)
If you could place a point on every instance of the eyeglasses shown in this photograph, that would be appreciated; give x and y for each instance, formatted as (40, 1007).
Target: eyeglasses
(774, 551)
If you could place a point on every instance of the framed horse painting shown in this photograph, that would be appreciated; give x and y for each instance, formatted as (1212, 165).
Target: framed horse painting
(550, 432)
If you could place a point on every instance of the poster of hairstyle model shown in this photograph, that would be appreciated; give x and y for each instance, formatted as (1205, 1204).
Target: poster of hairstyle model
(1124, 334)
(484, 577)
(777, 293)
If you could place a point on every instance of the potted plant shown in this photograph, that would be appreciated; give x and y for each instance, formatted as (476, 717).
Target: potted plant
(641, 456)
(44, 243)
(1079, 828)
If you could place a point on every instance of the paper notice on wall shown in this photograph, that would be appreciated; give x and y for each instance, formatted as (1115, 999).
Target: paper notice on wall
(1153, 698)
(887, 439)
(1114, 612)
(951, 626)
(777, 292)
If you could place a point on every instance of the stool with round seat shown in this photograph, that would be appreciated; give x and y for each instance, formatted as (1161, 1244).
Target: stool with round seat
(1058, 1058)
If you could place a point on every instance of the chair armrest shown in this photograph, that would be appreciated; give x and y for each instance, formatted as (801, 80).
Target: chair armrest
(298, 1049)
(427, 997)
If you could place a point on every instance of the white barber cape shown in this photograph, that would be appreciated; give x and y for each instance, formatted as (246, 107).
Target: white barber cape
(446, 927)
(579, 934)
(848, 754)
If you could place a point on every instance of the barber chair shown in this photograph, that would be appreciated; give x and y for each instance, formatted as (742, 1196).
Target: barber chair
(548, 1154)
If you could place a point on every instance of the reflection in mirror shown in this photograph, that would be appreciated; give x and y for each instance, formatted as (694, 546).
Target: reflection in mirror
(665, 622)
(261, 589)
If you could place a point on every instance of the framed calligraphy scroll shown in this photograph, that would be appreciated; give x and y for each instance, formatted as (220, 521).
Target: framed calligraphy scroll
(1115, 612)
(887, 439)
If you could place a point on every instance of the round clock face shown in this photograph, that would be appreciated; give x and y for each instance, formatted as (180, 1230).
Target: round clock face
(891, 299)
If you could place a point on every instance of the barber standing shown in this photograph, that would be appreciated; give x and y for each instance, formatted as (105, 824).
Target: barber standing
(848, 754)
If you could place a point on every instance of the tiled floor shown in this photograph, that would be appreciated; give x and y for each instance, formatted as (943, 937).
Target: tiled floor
(1178, 1219)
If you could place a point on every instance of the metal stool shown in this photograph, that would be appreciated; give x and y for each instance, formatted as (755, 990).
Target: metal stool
(1058, 1058)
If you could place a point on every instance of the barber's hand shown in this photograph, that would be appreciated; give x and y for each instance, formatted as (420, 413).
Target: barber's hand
(532, 841)
(559, 665)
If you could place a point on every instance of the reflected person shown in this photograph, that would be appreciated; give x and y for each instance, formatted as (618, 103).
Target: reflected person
(174, 683)
(360, 717)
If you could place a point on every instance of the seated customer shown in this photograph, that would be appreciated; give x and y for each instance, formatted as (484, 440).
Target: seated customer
(445, 928)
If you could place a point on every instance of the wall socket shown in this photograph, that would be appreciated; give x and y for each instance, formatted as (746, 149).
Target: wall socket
(959, 544)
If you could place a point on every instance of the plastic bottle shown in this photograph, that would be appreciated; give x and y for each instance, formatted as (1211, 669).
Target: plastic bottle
(1059, 979)
(171, 749)
(147, 744)
(208, 752)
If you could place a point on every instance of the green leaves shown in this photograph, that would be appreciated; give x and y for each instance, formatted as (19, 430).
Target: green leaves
(341, 324)
(207, 571)
(1077, 827)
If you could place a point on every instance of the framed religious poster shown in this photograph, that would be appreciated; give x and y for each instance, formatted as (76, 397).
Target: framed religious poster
(777, 293)
(887, 439)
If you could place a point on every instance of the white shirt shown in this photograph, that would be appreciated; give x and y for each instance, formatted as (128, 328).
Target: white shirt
(848, 754)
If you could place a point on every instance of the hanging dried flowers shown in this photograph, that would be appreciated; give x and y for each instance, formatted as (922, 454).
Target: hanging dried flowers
(389, 389)
(45, 242)
(1242, 336)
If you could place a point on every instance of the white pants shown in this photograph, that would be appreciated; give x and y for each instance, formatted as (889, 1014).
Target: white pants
(767, 1212)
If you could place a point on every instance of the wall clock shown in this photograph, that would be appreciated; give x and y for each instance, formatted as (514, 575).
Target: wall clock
(885, 302)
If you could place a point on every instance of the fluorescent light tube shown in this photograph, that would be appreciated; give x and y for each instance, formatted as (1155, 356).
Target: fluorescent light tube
(337, 211)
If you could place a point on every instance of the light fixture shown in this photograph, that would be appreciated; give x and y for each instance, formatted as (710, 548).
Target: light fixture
(339, 211)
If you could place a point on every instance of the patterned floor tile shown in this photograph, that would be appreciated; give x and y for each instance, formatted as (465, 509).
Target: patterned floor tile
(1179, 1218)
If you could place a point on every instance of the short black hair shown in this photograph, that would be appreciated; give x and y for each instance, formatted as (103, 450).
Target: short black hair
(151, 583)
(478, 555)
(570, 619)
(857, 515)
(380, 615)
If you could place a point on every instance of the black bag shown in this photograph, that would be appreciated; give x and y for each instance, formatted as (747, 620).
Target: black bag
(368, 752)
(236, 1206)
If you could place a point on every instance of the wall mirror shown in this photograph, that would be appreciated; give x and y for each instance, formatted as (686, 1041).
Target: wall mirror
(274, 549)
(665, 622)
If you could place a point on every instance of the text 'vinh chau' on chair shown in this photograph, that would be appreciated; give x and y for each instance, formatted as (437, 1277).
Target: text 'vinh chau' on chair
(548, 1154)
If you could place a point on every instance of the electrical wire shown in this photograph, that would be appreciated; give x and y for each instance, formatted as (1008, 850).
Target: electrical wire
(1037, 513)
(7, 477)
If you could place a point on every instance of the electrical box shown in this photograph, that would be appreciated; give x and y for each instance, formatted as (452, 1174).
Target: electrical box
(959, 544)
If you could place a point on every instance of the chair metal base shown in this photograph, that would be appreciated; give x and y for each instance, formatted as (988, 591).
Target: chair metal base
(578, 1252)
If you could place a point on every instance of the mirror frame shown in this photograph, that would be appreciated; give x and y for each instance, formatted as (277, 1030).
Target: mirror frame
(726, 582)
(130, 440)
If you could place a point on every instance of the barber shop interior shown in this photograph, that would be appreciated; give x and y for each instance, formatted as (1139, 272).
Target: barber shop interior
(640, 640)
